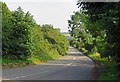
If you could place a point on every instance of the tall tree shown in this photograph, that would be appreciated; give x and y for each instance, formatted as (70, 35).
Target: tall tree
(6, 28)
(106, 15)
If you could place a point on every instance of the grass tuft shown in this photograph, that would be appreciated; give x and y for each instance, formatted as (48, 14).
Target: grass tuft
(110, 71)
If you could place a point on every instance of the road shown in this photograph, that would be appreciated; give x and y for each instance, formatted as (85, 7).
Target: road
(74, 66)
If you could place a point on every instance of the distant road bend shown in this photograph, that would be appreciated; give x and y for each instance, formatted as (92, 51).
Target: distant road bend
(74, 66)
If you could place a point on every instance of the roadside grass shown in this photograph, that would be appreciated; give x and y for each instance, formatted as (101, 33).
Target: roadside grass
(110, 68)
(1, 61)
(11, 63)
(43, 58)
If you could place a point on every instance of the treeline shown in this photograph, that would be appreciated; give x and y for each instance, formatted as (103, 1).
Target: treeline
(96, 28)
(24, 39)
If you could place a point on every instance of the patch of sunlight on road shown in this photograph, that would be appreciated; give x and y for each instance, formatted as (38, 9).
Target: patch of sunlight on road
(3, 79)
(84, 58)
(69, 64)
(74, 52)
(54, 64)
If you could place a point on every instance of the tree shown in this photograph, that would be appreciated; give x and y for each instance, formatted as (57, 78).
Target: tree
(24, 39)
(6, 29)
(106, 16)
(55, 38)
(78, 26)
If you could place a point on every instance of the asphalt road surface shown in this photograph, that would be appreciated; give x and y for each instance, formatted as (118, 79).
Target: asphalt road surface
(74, 66)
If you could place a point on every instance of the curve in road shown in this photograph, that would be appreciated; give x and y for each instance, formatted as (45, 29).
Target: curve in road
(74, 66)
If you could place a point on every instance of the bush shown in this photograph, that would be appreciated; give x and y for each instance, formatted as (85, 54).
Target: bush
(55, 38)
(23, 39)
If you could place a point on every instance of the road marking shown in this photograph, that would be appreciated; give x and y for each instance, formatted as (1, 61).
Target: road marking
(68, 64)
(26, 75)
(74, 58)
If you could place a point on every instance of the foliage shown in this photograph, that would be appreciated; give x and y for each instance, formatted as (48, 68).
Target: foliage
(110, 71)
(108, 15)
(83, 37)
(6, 28)
(24, 39)
(100, 21)
(96, 29)
(54, 37)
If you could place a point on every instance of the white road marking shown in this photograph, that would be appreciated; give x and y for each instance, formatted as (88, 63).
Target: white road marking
(26, 75)
(65, 65)
(70, 63)
(74, 58)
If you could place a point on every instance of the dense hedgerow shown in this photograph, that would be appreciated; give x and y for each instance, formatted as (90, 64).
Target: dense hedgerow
(24, 39)
(54, 37)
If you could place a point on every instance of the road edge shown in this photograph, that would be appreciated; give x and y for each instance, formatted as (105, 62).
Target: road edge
(98, 67)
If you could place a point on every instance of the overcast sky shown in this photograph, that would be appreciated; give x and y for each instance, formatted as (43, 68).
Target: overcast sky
(55, 12)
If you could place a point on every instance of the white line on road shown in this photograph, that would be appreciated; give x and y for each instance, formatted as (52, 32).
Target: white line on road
(27, 75)
(69, 63)
(74, 58)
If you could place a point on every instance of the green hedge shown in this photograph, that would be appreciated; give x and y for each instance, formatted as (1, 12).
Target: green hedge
(24, 39)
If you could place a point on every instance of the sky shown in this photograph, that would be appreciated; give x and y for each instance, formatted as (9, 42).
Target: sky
(55, 12)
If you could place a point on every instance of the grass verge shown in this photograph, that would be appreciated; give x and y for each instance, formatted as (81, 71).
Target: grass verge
(9, 63)
(110, 68)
